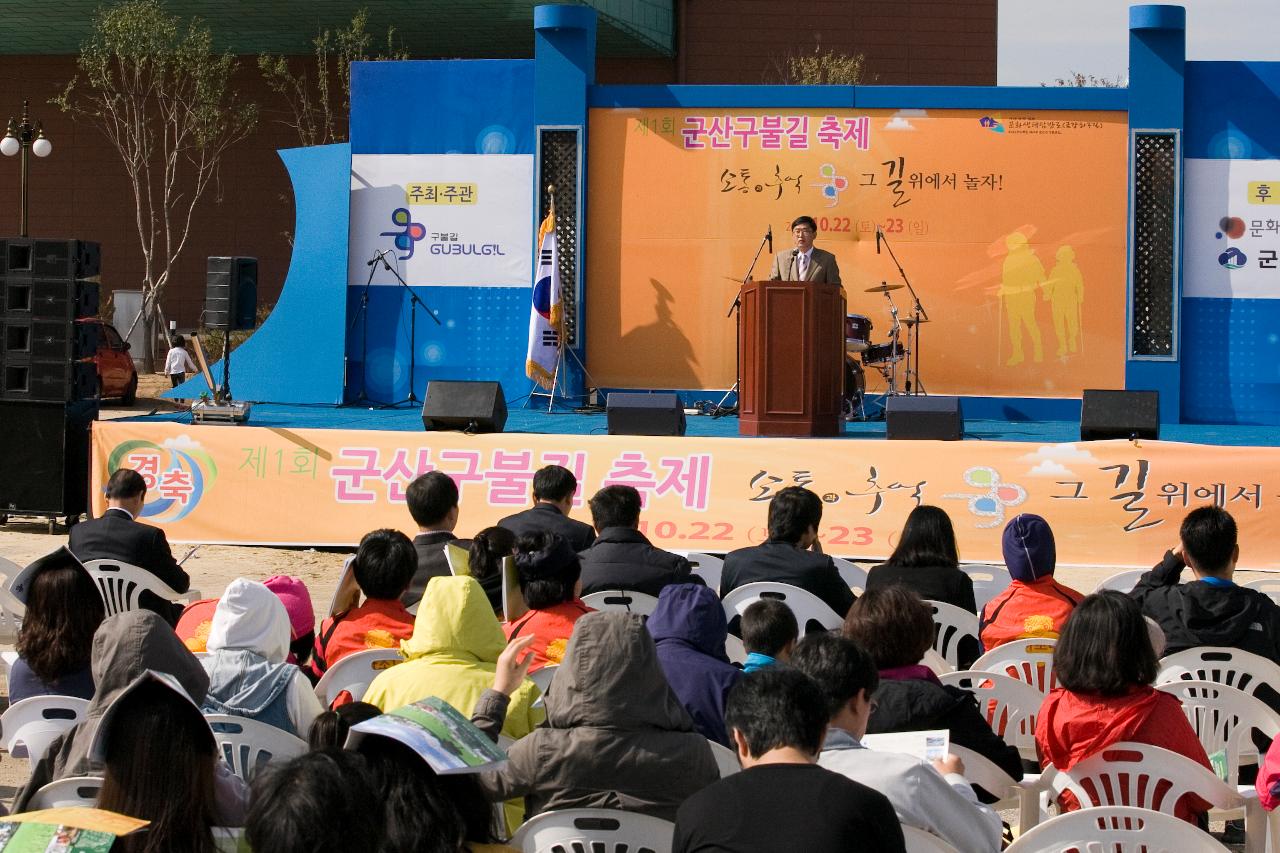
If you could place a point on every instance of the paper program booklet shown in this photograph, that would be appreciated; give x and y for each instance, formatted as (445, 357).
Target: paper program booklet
(434, 729)
(65, 830)
(927, 746)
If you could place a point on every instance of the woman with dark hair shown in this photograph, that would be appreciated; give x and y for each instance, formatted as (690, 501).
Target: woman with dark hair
(1105, 667)
(549, 570)
(55, 642)
(329, 730)
(488, 548)
(926, 560)
(158, 754)
(895, 627)
(319, 802)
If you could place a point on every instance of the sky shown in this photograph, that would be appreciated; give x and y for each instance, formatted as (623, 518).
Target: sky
(1041, 40)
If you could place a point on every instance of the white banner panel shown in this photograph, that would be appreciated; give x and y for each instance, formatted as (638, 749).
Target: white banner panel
(1231, 229)
(442, 219)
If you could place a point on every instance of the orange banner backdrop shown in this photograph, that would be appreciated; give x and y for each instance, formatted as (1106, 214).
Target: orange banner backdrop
(1011, 227)
(1110, 503)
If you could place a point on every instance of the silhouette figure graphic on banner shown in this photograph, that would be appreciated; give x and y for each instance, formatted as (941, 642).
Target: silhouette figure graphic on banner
(1023, 275)
(1064, 291)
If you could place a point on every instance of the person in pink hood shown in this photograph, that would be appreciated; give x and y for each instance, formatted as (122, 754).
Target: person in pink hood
(1105, 666)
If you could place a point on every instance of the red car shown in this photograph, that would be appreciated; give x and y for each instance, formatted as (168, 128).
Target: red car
(117, 377)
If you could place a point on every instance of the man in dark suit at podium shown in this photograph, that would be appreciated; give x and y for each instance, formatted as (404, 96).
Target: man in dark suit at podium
(116, 535)
(805, 262)
(791, 555)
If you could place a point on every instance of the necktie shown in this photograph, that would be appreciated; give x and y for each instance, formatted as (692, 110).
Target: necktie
(804, 267)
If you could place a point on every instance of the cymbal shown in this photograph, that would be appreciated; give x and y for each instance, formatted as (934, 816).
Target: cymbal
(883, 288)
(911, 321)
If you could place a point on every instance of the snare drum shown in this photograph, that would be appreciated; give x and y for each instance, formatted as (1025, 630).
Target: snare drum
(857, 332)
(883, 353)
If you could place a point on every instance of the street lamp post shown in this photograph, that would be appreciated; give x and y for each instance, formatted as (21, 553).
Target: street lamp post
(20, 137)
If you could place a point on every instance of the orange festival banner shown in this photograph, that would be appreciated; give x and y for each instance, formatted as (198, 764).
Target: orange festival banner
(1114, 503)
(1010, 226)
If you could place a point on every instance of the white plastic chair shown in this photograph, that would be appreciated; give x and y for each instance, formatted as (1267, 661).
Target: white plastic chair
(1224, 719)
(805, 605)
(71, 792)
(706, 566)
(248, 745)
(542, 678)
(1138, 774)
(988, 581)
(951, 624)
(1269, 586)
(735, 650)
(1029, 661)
(1010, 706)
(597, 830)
(1115, 829)
(853, 575)
(11, 609)
(354, 672)
(30, 726)
(726, 759)
(121, 584)
(1010, 793)
(1222, 665)
(347, 593)
(919, 841)
(625, 600)
(1121, 581)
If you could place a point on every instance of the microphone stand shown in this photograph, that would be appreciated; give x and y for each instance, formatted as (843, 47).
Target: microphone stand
(721, 410)
(918, 316)
(363, 315)
(414, 302)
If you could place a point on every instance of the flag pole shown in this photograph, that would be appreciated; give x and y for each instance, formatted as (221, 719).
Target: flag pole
(535, 385)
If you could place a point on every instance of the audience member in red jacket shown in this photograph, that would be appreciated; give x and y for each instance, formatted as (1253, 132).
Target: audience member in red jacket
(1034, 604)
(1105, 666)
(383, 567)
(549, 570)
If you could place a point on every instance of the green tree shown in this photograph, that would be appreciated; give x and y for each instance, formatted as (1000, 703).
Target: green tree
(319, 95)
(1081, 80)
(818, 68)
(156, 89)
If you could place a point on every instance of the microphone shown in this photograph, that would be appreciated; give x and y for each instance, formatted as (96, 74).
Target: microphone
(377, 256)
(385, 265)
(879, 237)
(769, 236)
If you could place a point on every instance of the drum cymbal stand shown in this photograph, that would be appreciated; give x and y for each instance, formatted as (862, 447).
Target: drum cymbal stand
(891, 370)
(914, 385)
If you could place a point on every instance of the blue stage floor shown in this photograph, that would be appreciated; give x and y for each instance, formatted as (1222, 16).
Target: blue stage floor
(570, 423)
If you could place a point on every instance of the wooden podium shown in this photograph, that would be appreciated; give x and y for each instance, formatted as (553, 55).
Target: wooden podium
(791, 353)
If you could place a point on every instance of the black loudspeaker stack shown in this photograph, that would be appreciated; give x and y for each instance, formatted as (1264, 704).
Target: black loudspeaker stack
(48, 379)
(645, 414)
(231, 294)
(937, 418)
(466, 406)
(1119, 414)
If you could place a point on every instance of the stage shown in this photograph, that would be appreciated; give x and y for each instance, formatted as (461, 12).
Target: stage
(315, 475)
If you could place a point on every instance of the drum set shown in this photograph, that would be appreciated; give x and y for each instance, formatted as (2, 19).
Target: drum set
(860, 354)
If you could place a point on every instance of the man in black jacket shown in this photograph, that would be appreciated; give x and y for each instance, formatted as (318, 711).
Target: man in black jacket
(622, 557)
(553, 490)
(116, 535)
(433, 503)
(792, 554)
(1210, 610)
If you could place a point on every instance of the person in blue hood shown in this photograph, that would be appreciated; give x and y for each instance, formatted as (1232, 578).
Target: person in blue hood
(689, 628)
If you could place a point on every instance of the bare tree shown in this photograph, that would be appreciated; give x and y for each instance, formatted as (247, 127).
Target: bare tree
(319, 97)
(817, 68)
(1078, 79)
(159, 93)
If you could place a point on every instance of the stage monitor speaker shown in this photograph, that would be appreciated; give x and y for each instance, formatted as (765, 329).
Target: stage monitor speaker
(231, 294)
(645, 414)
(1119, 414)
(937, 418)
(466, 406)
(27, 258)
(47, 472)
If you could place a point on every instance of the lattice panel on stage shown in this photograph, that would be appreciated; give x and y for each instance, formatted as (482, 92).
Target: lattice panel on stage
(1154, 245)
(558, 165)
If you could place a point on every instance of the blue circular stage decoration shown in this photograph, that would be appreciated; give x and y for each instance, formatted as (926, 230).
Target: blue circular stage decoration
(495, 139)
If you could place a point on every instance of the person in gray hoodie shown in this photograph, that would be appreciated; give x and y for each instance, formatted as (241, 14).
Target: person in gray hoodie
(248, 673)
(124, 647)
(616, 735)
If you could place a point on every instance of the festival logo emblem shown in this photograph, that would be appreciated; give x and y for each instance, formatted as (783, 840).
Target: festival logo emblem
(994, 498)
(1233, 259)
(177, 472)
(411, 232)
(992, 124)
(832, 184)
